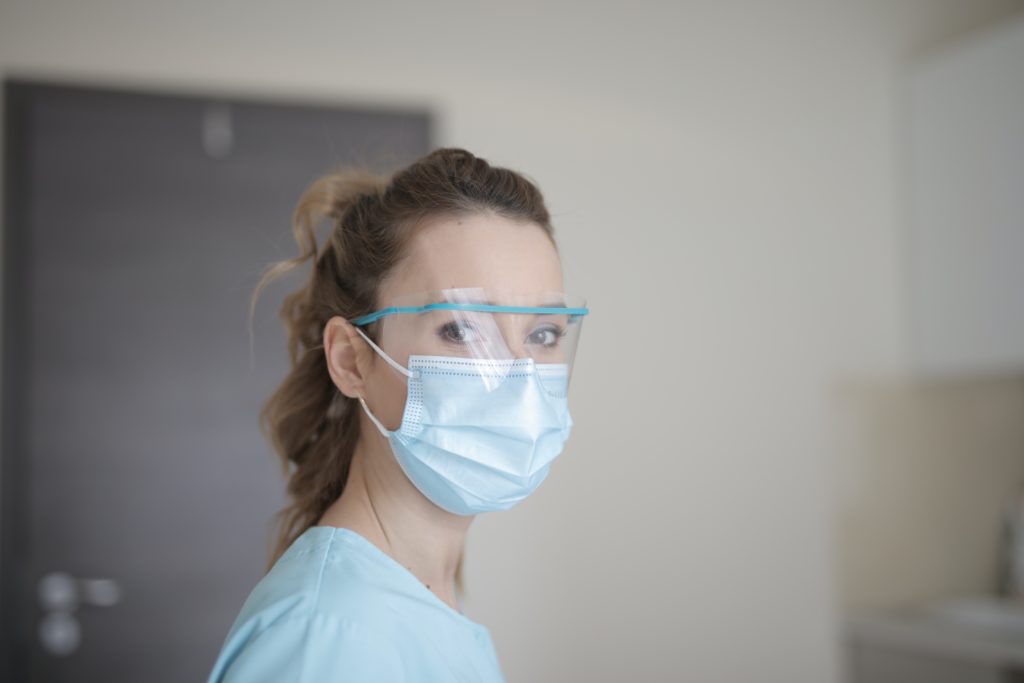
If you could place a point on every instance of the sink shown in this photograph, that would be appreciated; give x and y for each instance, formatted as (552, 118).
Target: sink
(989, 613)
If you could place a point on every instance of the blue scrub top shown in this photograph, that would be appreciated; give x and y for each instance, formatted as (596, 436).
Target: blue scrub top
(334, 607)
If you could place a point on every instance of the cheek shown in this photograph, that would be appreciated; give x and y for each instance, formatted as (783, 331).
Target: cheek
(390, 395)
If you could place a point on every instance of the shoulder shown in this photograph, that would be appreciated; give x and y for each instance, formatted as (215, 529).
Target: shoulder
(326, 571)
(307, 648)
(321, 611)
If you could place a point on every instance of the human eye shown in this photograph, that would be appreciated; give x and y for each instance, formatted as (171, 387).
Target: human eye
(546, 336)
(457, 332)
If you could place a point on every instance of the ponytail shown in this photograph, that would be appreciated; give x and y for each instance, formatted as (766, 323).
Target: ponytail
(309, 423)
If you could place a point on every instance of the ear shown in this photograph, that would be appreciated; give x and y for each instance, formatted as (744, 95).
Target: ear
(347, 355)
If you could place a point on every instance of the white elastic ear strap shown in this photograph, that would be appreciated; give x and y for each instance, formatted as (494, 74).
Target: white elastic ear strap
(383, 430)
(388, 358)
(375, 421)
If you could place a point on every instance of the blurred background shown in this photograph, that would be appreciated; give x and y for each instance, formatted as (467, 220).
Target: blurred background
(798, 452)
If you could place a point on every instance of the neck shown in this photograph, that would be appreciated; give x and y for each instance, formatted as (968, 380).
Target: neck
(382, 505)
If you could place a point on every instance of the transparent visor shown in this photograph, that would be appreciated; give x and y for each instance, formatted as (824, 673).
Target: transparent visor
(483, 333)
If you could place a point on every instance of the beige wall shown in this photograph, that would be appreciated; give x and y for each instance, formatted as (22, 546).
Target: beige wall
(724, 181)
(926, 471)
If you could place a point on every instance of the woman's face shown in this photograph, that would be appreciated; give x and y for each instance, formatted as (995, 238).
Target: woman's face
(479, 250)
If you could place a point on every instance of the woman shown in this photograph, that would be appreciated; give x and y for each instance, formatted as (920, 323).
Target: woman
(431, 353)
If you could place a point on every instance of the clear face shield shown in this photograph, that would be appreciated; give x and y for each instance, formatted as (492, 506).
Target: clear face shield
(488, 333)
(488, 379)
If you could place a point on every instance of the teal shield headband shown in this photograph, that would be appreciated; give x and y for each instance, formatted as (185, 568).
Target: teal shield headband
(574, 313)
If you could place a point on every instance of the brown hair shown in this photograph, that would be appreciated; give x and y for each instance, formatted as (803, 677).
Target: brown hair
(311, 425)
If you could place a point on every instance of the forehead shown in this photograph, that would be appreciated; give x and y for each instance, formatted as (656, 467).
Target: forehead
(476, 250)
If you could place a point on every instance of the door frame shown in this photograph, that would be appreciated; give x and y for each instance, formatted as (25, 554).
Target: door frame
(16, 592)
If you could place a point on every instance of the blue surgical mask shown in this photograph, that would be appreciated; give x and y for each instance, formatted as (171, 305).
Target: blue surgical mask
(470, 447)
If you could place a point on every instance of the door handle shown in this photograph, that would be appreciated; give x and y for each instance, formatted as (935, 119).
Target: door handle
(60, 596)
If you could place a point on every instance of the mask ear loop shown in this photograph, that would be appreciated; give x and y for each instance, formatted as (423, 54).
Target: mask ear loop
(397, 366)
(380, 428)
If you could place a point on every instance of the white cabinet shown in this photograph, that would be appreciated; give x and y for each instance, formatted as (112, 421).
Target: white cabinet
(966, 208)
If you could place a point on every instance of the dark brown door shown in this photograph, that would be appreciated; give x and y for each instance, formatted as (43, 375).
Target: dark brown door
(137, 492)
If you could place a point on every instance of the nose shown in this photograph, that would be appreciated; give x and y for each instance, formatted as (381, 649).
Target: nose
(513, 335)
